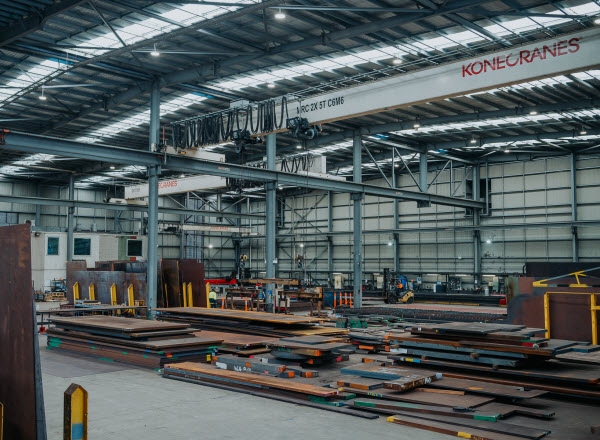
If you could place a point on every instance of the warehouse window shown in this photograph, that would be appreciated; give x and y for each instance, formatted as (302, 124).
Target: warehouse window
(52, 245)
(134, 248)
(82, 246)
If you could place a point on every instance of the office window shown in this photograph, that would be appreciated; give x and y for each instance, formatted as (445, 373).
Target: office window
(82, 246)
(134, 248)
(52, 245)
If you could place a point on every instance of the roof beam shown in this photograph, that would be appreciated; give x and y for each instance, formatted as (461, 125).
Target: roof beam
(35, 22)
(195, 73)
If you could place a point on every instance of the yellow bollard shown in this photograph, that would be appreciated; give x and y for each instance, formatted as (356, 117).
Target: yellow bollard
(76, 292)
(189, 295)
(113, 295)
(92, 296)
(184, 293)
(130, 299)
(75, 413)
(594, 319)
(547, 314)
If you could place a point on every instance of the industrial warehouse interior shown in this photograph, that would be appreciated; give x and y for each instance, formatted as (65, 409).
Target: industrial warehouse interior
(276, 219)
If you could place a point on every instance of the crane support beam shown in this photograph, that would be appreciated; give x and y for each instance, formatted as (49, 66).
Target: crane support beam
(104, 153)
(541, 59)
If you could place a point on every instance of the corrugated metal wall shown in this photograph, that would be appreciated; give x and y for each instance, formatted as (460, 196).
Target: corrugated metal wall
(527, 198)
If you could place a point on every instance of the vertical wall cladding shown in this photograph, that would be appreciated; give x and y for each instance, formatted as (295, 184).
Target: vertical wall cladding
(529, 220)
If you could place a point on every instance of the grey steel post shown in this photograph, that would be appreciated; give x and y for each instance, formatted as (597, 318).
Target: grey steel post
(182, 232)
(153, 172)
(70, 211)
(357, 197)
(396, 203)
(574, 241)
(38, 207)
(270, 227)
(423, 171)
(330, 238)
(476, 232)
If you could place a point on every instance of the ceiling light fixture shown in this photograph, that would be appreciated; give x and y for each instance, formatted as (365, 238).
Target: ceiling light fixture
(112, 167)
(397, 61)
(390, 243)
(280, 15)
(507, 151)
(473, 140)
(301, 245)
(583, 131)
(417, 124)
(181, 176)
(271, 85)
(155, 52)
(299, 147)
(533, 113)
(597, 21)
(488, 241)
(210, 246)
(42, 97)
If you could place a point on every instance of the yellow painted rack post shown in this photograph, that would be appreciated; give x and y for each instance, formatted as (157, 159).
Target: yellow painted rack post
(92, 296)
(75, 413)
(76, 292)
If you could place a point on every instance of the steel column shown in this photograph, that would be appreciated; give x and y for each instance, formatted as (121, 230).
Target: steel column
(330, 238)
(153, 172)
(574, 241)
(152, 239)
(476, 232)
(70, 212)
(396, 219)
(270, 220)
(38, 207)
(423, 171)
(357, 197)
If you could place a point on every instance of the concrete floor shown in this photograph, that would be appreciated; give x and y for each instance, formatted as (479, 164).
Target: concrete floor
(133, 403)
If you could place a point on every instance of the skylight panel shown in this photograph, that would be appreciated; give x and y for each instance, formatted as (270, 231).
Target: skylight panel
(143, 118)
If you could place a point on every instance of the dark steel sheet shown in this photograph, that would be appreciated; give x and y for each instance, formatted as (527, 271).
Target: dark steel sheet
(17, 353)
(192, 271)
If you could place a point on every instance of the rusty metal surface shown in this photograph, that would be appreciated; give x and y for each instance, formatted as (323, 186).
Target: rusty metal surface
(170, 275)
(570, 316)
(192, 271)
(17, 356)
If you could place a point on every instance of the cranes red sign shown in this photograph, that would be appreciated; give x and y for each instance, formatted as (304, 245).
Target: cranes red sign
(526, 56)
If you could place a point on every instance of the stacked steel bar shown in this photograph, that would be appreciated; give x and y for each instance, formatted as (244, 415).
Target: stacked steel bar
(310, 350)
(134, 341)
(254, 323)
(502, 352)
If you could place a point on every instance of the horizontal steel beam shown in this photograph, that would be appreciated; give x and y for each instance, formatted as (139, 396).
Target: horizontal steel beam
(115, 207)
(463, 117)
(104, 153)
(483, 227)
